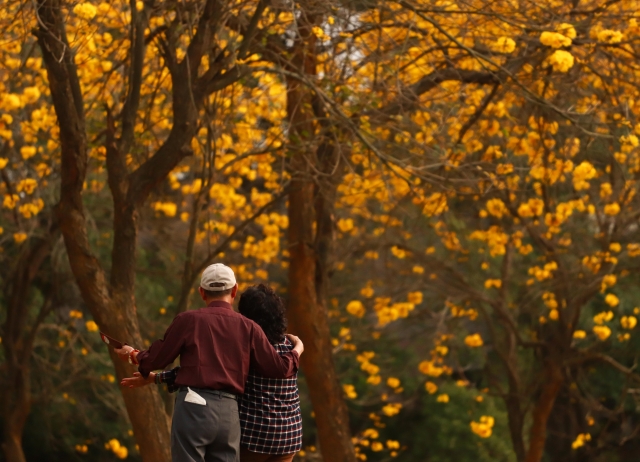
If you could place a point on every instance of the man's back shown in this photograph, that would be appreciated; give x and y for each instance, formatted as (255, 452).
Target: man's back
(216, 346)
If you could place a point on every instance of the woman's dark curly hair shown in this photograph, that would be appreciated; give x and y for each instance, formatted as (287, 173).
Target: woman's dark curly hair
(262, 305)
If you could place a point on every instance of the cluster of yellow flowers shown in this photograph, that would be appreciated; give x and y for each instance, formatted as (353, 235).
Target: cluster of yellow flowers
(581, 440)
(473, 341)
(495, 239)
(542, 273)
(459, 312)
(582, 174)
(356, 308)
(366, 365)
(364, 440)
(169, 209)
(484, 427)
(391, 409)
(120, 451)
(349, 391)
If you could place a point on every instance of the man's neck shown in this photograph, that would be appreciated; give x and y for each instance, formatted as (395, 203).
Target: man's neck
(228, 300)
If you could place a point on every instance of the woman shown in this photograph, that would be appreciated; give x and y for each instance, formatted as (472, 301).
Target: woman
(270, 419)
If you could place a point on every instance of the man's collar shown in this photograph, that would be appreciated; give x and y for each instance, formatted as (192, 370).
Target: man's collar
(220, 304)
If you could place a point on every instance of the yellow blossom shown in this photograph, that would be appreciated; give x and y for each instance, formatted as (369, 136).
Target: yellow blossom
(473, 341)
(579, 334)
(608, 280)
(484, 427)
(345, 224)
(367, 292)
(504, 45)
(610, 36)
(429, 368)
(611, 300)
(532, 208)
(431, 387)
(602, 332)
(581, 174)
(374, 379)
(612, 209)
(443, 398)
(19, 237)
(27, 152)
(415, 298)
(603, 317)
(398, 252)
(350, 391)
(391, 409)
(392, 444)
(393, 382)
(91, 326)
(628, 322)
(567, 30)
(435, 204)
(554, 39)
(496, 208)
(85, 10)
(580, 441)
(168, 208)
(356, 308)
(561, 60)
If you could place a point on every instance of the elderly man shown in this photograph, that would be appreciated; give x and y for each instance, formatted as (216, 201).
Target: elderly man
(216, 346)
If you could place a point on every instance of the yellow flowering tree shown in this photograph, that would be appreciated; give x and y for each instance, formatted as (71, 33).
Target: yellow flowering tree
(519, 167)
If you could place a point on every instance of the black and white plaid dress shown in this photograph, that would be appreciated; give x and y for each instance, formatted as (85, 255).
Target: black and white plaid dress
(270, 412)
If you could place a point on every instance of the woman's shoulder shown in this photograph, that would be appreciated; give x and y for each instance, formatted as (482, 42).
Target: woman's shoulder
(284, 345)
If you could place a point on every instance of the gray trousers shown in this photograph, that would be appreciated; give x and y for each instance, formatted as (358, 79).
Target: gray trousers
(205, 432)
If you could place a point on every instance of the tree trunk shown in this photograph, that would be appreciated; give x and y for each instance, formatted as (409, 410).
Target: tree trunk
(544, 405)
(12, 445)
(114, 311)
(20, 332)
(307, 312)
(516, 425)
(309, 321)
(16, 406)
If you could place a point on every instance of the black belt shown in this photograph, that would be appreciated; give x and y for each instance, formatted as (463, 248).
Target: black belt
(211, 391)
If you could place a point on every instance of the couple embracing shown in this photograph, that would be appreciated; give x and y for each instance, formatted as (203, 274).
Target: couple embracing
(237, 393)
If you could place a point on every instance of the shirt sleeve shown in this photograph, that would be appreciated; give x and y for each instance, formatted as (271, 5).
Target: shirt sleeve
(163, 352)
(266, 360)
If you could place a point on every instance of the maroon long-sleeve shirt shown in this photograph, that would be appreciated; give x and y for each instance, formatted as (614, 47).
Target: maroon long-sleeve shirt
(217, 346)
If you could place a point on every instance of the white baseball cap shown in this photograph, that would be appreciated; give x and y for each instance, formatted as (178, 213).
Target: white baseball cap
(217, 278)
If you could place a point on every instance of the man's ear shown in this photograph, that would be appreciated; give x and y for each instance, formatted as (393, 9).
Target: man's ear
(234, 291)
(202, 295)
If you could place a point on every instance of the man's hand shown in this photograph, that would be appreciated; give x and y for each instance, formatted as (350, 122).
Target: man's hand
(297, 343)
(138, 380)
(126, 353)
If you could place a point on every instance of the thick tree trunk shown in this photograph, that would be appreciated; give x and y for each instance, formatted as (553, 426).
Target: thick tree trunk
(541, 412)
(12, 445)
(113, 310)
(16, 406)
(112, 300)
(309, 321)
(307, 312)
(20, 332)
